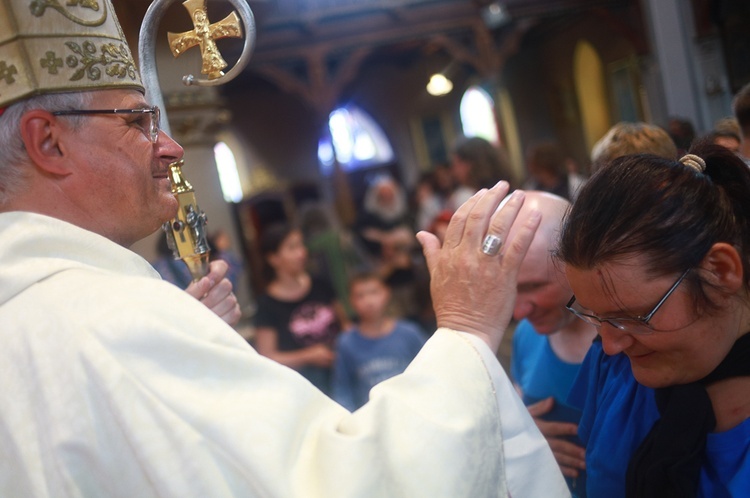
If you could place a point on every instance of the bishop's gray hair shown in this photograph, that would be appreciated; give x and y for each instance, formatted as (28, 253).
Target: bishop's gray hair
(13, 156)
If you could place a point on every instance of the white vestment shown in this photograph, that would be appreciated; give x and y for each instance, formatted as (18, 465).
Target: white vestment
(118, 384)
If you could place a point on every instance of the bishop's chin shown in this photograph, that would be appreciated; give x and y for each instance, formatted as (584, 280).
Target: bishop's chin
(168, 208)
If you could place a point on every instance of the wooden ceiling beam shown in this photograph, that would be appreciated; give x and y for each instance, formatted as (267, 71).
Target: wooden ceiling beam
(370, 38)
(321, 89)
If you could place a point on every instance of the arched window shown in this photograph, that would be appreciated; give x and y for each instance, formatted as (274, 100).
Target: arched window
(591, 89)
(354, 139)
(478, 115)
(229, 177)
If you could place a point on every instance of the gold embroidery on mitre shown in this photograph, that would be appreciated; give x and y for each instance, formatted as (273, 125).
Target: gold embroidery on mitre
(49, 46)
(38, 8)
(7, 72)
(117, 61)
(87, 4)
(51, 62)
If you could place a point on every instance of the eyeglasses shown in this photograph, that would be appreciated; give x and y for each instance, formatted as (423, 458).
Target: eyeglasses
(151, 116)
(633, 325)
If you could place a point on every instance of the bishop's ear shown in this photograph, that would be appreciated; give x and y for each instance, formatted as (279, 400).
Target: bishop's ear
(42, 135)
(723, 266)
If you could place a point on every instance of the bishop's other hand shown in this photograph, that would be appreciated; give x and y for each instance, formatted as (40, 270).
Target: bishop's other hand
(215, 291)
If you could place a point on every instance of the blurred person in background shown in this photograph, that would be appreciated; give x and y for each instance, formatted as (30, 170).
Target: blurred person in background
(682, 132)
(726, 133)
(632, 138)
(377, 347)
(476, 164)
(550, 170)
(741, 107)
(298, 317)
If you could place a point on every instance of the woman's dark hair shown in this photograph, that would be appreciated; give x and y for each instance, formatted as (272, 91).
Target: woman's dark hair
(270, 241)
(664, 210)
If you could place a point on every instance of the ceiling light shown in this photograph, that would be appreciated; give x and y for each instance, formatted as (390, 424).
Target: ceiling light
(439, 85)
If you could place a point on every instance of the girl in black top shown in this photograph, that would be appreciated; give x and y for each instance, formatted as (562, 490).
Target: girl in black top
(298, 317)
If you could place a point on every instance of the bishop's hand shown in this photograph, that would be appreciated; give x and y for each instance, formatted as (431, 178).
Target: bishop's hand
(473, 291)
(215, 291)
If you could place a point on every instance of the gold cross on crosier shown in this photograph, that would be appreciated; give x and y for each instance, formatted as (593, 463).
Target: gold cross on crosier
(204, 34)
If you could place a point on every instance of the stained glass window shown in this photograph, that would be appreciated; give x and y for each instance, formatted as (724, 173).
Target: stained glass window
(478, 115)
(355, 140)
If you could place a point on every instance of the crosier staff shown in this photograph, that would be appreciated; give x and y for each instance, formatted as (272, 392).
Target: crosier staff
(186, 234)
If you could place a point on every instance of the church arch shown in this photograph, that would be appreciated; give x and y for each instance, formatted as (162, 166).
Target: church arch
(591, 91)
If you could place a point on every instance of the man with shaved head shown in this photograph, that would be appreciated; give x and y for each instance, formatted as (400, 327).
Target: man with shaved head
(549, 343)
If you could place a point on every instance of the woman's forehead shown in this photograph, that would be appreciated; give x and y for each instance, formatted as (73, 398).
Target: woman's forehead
(631, 268)
(609, 287)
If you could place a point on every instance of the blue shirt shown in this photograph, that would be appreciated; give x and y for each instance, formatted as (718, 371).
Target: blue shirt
(618, 414)
(726, 472)
(541, 374)
(173, 270)
(537, 369)
(361, 362)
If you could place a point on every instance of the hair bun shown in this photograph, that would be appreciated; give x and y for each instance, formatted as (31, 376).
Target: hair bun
(695, 162)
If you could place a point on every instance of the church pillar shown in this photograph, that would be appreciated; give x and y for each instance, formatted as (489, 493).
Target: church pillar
(671, 47)
(687, 78)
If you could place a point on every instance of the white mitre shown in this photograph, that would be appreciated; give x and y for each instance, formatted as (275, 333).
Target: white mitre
(49, 46)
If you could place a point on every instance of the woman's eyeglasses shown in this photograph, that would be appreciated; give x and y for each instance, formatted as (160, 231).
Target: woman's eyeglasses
(633, 325)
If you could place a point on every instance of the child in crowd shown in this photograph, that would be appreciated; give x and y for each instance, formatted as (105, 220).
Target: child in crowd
(377, 348)
(298, 316)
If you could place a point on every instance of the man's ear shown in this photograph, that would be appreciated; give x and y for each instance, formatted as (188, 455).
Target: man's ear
(42, 136)
(724, 267)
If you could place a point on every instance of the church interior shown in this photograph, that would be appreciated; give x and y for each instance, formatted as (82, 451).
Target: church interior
(336, 93)
(423, 248)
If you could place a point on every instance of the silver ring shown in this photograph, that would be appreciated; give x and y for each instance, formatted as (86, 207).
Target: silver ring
(491, 245)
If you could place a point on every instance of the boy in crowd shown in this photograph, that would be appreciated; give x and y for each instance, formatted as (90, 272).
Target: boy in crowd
(377, 348)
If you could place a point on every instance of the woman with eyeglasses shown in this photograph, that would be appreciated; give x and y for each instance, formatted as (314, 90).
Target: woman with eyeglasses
(657, 253)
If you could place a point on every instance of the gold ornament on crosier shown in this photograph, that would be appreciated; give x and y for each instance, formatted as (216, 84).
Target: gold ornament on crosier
(203, 35)
(186, 233)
